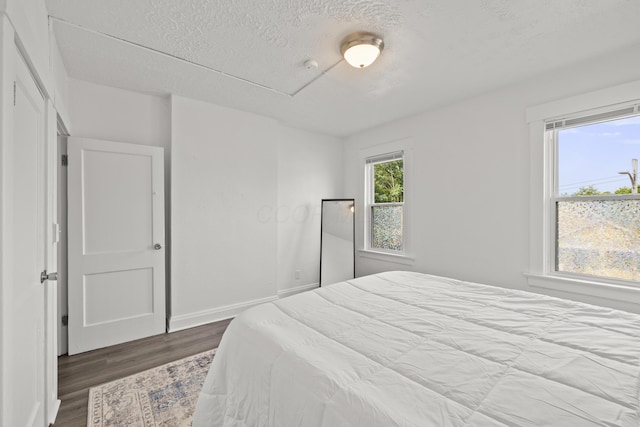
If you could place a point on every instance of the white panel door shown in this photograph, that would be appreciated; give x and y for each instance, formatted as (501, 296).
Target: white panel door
(27, 204)
(116, 243)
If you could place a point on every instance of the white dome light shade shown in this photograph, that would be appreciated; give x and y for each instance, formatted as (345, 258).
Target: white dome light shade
(361, 49)
(361, 55)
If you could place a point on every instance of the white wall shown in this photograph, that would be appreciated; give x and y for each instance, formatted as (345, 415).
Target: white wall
(471, 175)
(60, 84)
(309, 169)
(224, 185)
(245, 212)
(113, 114)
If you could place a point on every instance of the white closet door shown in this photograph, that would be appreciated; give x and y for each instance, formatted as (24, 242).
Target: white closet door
(116, 243)
(25, 235)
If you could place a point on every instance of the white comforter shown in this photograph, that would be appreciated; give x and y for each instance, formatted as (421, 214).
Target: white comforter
(406, 349)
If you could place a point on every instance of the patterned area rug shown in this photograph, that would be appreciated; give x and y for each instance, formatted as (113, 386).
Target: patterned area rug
(162, 396)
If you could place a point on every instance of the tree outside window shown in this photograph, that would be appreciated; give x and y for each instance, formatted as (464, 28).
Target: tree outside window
(386, 203)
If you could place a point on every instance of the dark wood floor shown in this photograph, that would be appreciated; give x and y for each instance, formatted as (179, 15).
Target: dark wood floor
(76, 374)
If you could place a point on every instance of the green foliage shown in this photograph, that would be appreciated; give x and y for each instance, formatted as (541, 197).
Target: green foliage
(625, 190)
(389, 182)
(587, 191)
(592, 191)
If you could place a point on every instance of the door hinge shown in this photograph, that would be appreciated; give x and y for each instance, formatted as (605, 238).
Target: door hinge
(14, 93)
(65, 160)
(65, 320)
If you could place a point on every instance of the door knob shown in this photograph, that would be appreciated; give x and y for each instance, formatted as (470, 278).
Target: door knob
(157, 246)
(50, 276)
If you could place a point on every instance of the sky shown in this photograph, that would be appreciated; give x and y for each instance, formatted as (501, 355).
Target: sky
(594, 154)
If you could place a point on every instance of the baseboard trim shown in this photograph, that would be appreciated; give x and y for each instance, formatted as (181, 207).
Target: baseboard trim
(298, 289)
(191, 320)
(54, 411)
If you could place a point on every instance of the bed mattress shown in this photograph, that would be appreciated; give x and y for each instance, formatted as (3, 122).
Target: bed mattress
(408, 349)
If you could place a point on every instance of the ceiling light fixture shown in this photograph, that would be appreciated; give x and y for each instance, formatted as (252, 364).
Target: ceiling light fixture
(361, 49)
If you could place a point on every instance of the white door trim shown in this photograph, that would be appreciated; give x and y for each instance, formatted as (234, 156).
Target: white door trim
(7, 47)
(52, 230)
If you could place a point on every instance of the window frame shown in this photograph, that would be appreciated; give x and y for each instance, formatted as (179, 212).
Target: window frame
(551, 139)
(370, 203)
(540, 273)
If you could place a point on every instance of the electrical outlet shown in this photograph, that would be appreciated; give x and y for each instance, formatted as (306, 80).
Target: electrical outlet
(297, 274)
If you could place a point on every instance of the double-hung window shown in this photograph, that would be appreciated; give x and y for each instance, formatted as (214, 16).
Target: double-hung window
(594, 207)
(385, 202)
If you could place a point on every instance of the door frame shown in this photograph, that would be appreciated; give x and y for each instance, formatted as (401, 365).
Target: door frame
(63, 339)
(52, 231)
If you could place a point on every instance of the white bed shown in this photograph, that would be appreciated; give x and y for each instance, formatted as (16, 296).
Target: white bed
(407, 349)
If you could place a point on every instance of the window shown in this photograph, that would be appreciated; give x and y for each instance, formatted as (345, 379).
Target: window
(595, 206)
(385, 202)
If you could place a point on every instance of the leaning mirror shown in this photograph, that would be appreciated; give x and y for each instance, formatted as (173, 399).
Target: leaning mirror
(337, 241)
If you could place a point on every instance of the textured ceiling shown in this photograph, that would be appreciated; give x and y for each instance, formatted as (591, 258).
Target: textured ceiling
(250, 54)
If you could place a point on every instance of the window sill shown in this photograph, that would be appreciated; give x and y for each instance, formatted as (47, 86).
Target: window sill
(611, 291)
(386, 256)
